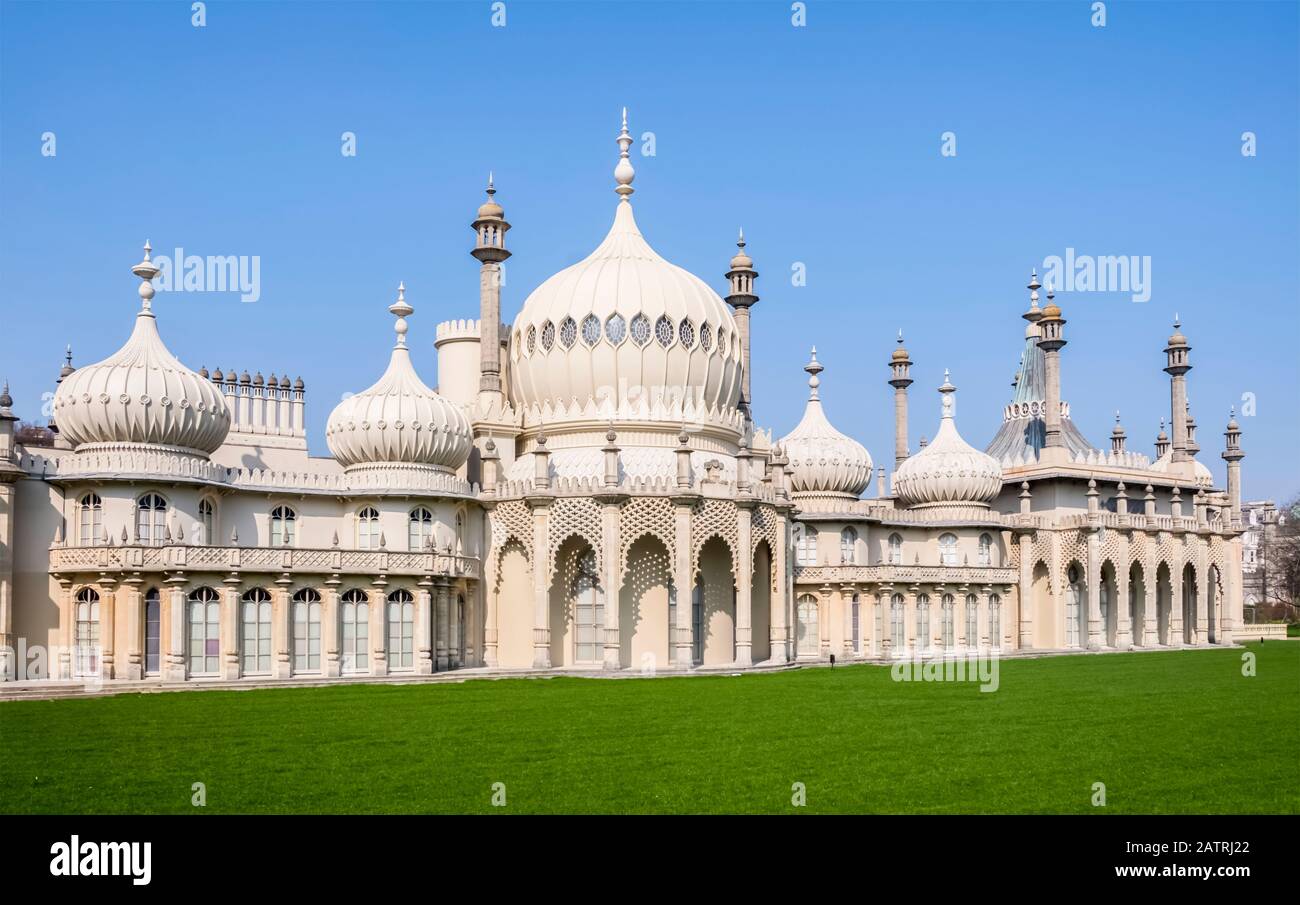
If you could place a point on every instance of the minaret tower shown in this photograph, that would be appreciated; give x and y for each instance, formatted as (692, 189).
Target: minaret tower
(1176, 366)
(900, 370)
(741, 278)
(1162, 440)
(1233, 455)
(1117, 437)
(490, 229)
(1051, 340)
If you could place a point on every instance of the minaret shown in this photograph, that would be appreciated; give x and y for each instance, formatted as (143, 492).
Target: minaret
(1177, 367)
(741, 278)
(1162, 440)
(490, 249)
(1051, 340)
(1117, 436)
(1233, 455)
(900, 369)
(1192, 446)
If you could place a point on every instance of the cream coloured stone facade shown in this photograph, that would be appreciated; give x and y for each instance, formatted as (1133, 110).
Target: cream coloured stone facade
(586, 490)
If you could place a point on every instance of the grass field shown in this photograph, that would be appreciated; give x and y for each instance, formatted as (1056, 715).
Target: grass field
(1177, 731)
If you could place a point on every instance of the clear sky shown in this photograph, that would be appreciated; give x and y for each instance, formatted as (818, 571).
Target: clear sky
(822, 141)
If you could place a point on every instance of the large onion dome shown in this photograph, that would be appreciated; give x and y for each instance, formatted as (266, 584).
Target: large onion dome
(825, 461)
(399, 420)
(141, 394)
(623, 324)
(949, 470)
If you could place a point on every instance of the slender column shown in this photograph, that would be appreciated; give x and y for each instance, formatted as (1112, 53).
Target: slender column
(683, 581)
(777, 632)
(744, 583)
(1026, 591)
(1232, 603)
(230, 628)
(824, 621)
(982, 618)
(282, 630)
(107, 620)
(424, 662)
(846, 610)
(909, 619)
(1176, 605)
(378, 636)
(1203, 591)
(443, 619)
(609, 512)
(541, 598)
(1150, 586)
(330, 628)
(134, 629)
(8, 643)
(175, 669)
(1123, 616)
(492, 608)
(1095, 636)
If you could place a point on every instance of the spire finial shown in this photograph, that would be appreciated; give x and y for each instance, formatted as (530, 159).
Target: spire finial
(814, 367)
(740, 243)
(146, 271)
(947, 391)
(900, 336)
(1051, 290)
(623, 172)
(1178, 321)
(401, 310)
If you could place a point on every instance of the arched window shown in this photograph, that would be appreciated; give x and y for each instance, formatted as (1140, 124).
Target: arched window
(972, 621)
(283, 526)
(857, 624)
(809, 640)
(205, 632)
(995, 621)
(152, 632)
(948, 549)
(90, 520)
(895, 550)
(368, 529)
(806, 551)
(87, 632)
(897, 627)
(923, 622)
(849, 547)
(986, 550)
(588, 611)
(947, 630)
(207, 522)
(354, 613)
(419, 529)
(306, 631)
(401, 630)
(150, 519)
(458, 632)
(255, 616)
(460, 531)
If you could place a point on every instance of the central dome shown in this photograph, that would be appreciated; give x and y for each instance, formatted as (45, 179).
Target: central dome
(624, 326)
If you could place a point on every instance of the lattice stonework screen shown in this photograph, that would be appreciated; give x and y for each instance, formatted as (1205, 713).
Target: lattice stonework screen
(713, 518)
(642, 516)
(512, 519)
(766, 528)
(570, 516)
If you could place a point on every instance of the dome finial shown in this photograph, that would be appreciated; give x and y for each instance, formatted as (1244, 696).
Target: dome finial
(740, 243)
(401, 310)
(623, 172)
(146, 271)
(814, 367)
(491, 189)
(947, 391)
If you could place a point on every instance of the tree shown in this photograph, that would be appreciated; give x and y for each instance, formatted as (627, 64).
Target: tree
(1279, 560)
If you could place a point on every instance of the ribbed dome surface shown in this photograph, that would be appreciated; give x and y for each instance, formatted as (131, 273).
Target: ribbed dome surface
(949, 470)
(824, 460)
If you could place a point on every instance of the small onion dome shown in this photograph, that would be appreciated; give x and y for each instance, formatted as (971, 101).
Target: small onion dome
(741, 261)
(6, 401)
(399, 419)
(217, 376)
(900, 353)
(298, 384)
(284, 381)
(490, 208)
(1052, 310)
(949, 470)
(1177, 338)
(142, 393)
(824, 460)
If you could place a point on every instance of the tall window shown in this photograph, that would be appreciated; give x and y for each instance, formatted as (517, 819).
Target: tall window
(986, 550)
(806, 551)
(401, 630)
(697, 621)
(1073, 608)
(460, 532)
(972, 621)
(895, 550)
(152, 632)
(588, 611)
(897, 628)
(458, 632)
(150, 519)
(207, 522)
(87, 632)
(205, 632)
(419, 529)
(947, 621)
(849, 547)
(948, 549)
(255, 616)
(857, 625)
(90, 520)
(672, 622)
(283, 531)
(306, 631)
(809, 640)
(923, 622)
(354, 614)
(995, 621)
(368, 529)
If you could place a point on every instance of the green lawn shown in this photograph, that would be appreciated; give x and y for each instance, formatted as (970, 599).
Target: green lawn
(1177, 731)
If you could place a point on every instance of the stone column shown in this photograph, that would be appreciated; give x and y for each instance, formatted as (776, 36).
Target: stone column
(442, 621)
(541, 579)
(134, 629)
(330, 628)
(846, 608)
(8, 643)
(230, 629)
(378, 626)
(424, 648)
(492, 604)
(824, 621)
(1025, 594)
(683, 580)
(778, 633)
(609, 513)
(174, 670)
(1176, 604)
(282, 631)
(107, 620)
(1123, 616)
(1203, 591)
(744, 582)
(909, 619)
(1150, 587)
(1096, 637)
(982, 618)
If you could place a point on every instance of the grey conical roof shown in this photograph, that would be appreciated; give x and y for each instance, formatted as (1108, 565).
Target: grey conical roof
(1023, 435)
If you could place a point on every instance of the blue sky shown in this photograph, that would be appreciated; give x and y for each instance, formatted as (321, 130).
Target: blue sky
(822, 141)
